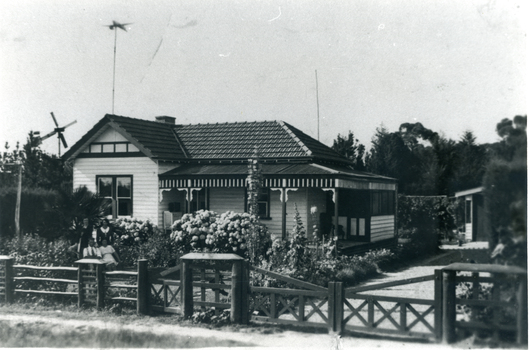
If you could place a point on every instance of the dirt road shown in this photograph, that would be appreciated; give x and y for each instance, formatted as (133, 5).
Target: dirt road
(279, 340)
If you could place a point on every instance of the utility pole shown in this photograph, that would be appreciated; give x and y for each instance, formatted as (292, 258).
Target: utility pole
(18, 163)
(318, 109)
(19, 198)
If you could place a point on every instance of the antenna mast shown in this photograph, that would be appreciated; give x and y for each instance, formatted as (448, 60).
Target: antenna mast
(114, 70)
(318, 109)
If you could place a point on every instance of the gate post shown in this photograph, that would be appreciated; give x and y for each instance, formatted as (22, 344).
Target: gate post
(80, 289)
(9, 286)
(449, 306)
(186, 279)
(245, 291)
(438, 304)
(142, 293)
(335, 307)
(100, 280)
(236, 305)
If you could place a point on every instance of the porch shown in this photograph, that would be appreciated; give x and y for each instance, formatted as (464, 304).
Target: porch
(332, 202)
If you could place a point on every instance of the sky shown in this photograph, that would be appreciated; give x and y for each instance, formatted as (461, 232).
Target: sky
(452, 65)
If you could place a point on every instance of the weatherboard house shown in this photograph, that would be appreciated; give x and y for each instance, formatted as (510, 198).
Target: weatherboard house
(159, 170)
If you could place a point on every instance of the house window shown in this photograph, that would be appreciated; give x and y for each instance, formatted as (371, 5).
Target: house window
(112, 147)
(117, 190)
(263, 203)
(199, 200)
(468, 212)
(383, 203)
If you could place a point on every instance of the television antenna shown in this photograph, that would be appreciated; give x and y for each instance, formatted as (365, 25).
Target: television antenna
(59, 131)
(114, 26)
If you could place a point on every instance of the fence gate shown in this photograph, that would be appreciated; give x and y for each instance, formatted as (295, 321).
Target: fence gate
(390, 314)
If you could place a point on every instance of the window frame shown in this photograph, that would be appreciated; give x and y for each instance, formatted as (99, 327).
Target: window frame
(382, 203)
(267, 202)
(114, 194)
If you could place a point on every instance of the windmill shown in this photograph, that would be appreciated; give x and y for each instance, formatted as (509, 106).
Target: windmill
(59, 131)
(114, 26)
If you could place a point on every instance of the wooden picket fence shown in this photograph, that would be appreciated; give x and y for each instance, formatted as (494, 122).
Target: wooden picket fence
(222, 281)
(89, 282)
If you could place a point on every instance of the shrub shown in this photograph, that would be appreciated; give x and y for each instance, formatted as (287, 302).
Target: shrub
(425, 220)
(32, 249)
(226, 233)
(37, 251)
(317, 264)
(132, 232)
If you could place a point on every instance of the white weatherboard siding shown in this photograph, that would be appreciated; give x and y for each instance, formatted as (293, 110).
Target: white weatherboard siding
(227, 199)
(145, 180)
(381, 227)
(298, 197)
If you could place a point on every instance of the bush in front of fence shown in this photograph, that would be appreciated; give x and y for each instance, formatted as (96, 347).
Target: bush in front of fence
(317, 262)
(31, 249)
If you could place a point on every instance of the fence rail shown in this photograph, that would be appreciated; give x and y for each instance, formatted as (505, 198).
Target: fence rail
(335, 307)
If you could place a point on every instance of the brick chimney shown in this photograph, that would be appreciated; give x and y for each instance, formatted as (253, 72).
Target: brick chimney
(165, 119)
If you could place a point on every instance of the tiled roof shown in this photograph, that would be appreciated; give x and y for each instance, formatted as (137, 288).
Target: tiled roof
(275, 139)
(157, 137)
(237, 141)
(221, 141)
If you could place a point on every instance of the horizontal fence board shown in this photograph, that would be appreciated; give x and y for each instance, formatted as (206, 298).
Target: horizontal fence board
(113, 285)
(476, 279)
(390, 284)
(216, 265)
(170, 271)
(43, 279)
(480, 325)
(375, 330)
(212, 304)
(114, 273)
(46, 268)
(123, 299)
(51, 292)
(284, 321)
(294, 281)
(268, 290)
(390, 299)
(212, 285)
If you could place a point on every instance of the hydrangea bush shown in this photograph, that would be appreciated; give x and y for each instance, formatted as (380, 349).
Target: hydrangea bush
(230, 232)
(131, 231)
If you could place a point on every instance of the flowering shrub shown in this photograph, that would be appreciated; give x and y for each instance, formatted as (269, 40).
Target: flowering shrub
(207, 231)
(317, 262)
(133, 231)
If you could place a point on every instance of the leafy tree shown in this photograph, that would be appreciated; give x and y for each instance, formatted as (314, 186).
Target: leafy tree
(390, 156)
(505, 183)
(349, 147)
(41, 169)
(470, 164)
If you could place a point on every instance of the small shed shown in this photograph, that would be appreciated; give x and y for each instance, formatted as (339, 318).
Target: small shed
(476, 223)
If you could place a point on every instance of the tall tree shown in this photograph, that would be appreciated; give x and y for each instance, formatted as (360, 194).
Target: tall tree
(505, 184)
(390, 156)
(349, 147)
(470, 165)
